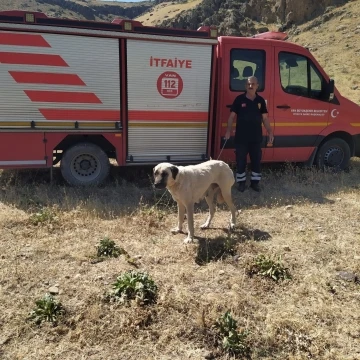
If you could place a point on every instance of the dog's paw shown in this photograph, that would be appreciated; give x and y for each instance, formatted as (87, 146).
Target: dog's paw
(188, 240)
(232, 226)
(176, 231)
(204, 226)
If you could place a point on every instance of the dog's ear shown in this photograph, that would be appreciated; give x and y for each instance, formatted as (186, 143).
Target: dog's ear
(174, 171)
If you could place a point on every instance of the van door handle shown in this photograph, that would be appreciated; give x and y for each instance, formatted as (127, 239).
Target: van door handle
(283, 107)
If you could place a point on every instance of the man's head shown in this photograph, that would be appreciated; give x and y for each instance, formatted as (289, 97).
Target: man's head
(165, 175)
(252, 85)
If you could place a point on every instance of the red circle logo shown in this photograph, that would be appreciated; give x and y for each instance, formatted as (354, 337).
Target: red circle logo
(170, 84)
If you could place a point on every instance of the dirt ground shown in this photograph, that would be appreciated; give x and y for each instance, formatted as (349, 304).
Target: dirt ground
(49, 235)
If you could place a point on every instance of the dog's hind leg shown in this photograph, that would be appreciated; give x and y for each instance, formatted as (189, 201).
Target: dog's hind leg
(181, 217)
(226, 194)
(210, 201)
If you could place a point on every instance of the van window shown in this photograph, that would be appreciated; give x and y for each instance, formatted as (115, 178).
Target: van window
(299, 76)
(245, 63)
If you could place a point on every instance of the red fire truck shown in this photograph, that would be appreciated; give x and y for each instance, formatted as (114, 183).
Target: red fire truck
(83, 92)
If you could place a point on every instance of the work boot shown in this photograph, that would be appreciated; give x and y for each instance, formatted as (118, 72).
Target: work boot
(255, 187)
(241, 186)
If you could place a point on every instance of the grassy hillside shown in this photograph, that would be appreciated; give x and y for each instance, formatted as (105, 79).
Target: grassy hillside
(33, 5)
(336, 45)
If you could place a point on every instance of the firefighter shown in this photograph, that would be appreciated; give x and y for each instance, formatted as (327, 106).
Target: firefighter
(251, 112)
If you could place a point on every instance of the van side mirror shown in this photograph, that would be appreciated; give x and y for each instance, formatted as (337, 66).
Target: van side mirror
(291, 62)
(331, 89)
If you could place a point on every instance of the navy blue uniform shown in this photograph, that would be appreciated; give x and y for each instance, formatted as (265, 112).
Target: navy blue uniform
(248, 135)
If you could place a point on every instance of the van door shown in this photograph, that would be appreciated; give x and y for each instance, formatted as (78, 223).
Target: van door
(300, 110)
(241, 58)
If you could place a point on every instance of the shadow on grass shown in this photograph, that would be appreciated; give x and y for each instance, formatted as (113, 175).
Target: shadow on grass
(128, 188)
(225, 246)
(31, 190)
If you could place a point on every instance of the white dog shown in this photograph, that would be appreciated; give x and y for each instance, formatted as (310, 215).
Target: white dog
(189, 184)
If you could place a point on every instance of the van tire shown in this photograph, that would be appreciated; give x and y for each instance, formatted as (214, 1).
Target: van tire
(85, 164)
(334, 153)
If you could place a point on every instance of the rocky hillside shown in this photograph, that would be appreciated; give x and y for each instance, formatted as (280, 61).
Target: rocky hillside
(81, 9)
(247, 17)
(233, 17)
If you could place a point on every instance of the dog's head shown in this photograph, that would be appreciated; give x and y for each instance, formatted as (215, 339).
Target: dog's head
(165, 175)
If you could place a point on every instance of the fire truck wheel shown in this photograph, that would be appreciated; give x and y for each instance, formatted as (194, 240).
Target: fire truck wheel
(85, 164)
(334, 153)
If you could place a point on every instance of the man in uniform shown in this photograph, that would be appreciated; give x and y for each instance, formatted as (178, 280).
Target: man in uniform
(251, 112)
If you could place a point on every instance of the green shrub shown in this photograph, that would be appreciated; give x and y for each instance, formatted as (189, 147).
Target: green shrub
(44, 215)
(232, 341)
(108, 248)
(133, 285)
(273, 269)
(47, 309)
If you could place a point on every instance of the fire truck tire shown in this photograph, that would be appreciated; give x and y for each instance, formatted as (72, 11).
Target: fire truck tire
(85, 164)
(334, 153)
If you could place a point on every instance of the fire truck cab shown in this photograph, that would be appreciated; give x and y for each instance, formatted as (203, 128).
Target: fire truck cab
(311, 121)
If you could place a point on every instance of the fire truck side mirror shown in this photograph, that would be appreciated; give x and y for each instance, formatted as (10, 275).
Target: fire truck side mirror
(330, 89)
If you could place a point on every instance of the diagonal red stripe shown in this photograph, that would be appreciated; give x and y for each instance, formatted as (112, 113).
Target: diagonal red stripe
(23, 40)
(46, 78)
(31, 59)
(193, 116)
(62, 97)
(78, 115)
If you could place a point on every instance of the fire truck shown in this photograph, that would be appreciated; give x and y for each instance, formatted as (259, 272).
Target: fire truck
(80, 93)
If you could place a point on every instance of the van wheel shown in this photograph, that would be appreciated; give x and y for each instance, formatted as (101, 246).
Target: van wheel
(334, 153)
(85, 164)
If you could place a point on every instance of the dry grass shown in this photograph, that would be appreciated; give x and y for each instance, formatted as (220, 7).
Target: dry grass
(310, 218)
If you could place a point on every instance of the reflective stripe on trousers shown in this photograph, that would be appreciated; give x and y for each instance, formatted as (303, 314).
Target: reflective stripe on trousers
(255, 176)
(241, 177)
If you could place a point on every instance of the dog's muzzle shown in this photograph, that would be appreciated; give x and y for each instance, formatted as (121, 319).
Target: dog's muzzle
(160, 185)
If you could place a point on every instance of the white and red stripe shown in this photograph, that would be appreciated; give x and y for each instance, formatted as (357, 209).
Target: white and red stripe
(19, 39)
(26, 77)
(80, 114)
(58, 83)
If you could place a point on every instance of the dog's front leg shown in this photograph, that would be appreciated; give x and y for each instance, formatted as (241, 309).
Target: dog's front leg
(190, 219)
(181, 215)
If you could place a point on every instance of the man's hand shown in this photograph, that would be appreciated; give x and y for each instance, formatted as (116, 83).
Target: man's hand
(271, 138)
(227, 134)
